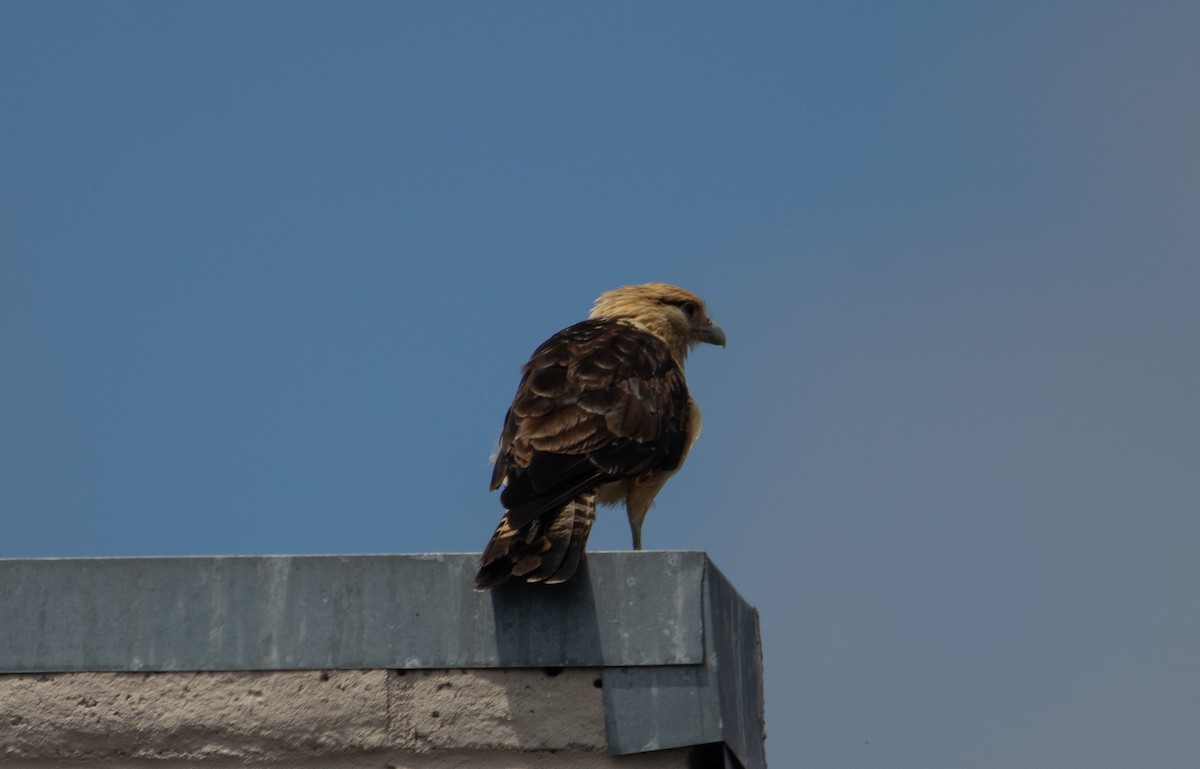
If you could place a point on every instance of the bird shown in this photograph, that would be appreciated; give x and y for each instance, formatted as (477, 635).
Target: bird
(602, 415)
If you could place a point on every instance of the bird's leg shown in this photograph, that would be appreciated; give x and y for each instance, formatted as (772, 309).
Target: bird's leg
(637, 514)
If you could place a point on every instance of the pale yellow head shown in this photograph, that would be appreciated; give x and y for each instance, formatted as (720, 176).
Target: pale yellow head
(678, 317)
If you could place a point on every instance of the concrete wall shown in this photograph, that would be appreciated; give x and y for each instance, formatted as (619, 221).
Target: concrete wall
(423, 719)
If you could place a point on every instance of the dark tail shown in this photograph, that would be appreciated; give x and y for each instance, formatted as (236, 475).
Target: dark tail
(546, 549)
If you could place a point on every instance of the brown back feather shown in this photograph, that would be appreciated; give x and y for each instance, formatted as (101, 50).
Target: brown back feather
(599, 401)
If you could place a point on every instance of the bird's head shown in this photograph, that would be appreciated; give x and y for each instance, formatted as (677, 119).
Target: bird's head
(678, 317)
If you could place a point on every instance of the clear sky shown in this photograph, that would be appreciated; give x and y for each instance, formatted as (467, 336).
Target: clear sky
(268, 271)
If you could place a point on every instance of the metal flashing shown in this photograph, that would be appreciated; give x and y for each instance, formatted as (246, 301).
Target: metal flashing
(660, 707)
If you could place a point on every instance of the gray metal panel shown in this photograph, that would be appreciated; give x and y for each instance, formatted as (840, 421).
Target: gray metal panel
(732, 626)
(655, 708)
(308, 612)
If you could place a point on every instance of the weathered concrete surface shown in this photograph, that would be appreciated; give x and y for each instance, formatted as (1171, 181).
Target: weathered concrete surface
(497, 709)
(337, 718)
(447, 759)
(192, 715)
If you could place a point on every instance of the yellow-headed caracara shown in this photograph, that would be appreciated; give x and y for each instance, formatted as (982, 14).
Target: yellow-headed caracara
(602, 414)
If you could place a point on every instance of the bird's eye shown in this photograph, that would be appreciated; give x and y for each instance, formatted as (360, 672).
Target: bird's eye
(689, 309)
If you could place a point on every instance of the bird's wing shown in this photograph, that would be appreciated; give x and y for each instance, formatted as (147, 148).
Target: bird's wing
(599, 401)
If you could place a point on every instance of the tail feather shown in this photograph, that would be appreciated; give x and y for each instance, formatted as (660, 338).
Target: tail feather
(585, 515)
(546, 549)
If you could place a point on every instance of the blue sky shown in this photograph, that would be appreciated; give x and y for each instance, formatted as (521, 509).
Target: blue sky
(268, 271)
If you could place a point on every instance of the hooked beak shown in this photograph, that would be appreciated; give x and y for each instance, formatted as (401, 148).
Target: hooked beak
(710, 334)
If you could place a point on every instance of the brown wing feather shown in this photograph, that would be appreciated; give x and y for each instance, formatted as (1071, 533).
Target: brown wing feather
(600, 398)
(597, 402)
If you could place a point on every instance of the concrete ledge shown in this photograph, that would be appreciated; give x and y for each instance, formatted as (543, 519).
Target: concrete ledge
(376, 658)
(453, 718)
(297, 714)
(192, 715)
